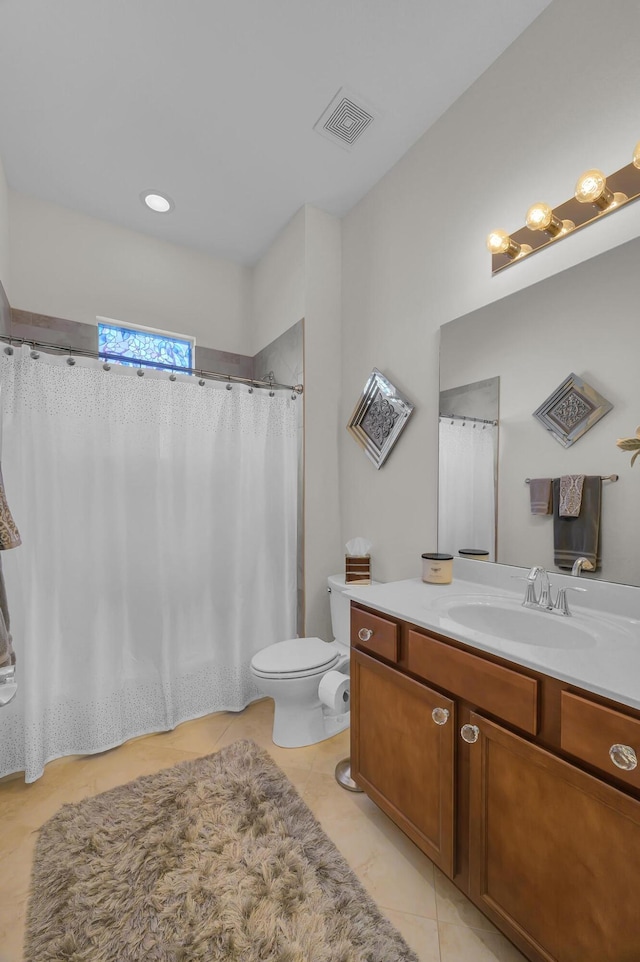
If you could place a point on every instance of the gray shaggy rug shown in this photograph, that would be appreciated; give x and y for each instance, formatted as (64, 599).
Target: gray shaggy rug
(216, 858)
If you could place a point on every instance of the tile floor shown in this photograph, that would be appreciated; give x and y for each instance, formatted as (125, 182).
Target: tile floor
(439, 923)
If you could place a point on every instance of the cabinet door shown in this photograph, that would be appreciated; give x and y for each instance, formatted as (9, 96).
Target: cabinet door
(402, 753)
(554, 852)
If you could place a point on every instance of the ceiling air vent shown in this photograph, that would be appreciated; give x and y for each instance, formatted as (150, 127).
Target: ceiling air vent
(345, 119)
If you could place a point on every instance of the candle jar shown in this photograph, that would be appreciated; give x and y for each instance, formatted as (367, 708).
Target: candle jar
(437, 569)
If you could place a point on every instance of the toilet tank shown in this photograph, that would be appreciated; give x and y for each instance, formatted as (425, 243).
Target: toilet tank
(340, 609)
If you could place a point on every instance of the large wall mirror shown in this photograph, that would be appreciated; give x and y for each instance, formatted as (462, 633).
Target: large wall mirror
(584, 321)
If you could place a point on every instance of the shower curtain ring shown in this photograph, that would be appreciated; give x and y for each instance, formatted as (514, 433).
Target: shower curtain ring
(229, 385)
(172, 376)
(251, 388)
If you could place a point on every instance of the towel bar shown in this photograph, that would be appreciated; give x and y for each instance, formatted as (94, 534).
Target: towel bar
(607, 477)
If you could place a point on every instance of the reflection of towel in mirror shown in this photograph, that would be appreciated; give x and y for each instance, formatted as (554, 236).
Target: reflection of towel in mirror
(540, 495)
(571, 486)
(579, 537)
(7, 655)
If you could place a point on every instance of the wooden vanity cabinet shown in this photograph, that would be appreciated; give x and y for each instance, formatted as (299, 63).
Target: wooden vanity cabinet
(554, 852)
(404, 751)
(528, 817)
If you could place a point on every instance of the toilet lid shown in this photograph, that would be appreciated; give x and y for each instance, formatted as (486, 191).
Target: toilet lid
(295, 655)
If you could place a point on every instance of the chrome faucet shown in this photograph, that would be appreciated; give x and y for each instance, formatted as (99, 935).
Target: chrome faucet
(544, 600)
(579, 564)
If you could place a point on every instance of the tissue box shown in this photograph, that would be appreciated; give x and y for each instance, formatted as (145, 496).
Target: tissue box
(357, 569)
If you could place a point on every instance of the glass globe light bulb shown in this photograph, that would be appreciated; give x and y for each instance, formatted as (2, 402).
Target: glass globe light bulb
(636, 155)
(590, 187)
(498, 242)
(539, 217)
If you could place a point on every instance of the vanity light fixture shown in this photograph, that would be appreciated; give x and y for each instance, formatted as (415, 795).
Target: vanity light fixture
(157, 202)
(595, 195)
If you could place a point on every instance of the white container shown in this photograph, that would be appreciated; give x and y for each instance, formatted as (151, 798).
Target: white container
(437, 569)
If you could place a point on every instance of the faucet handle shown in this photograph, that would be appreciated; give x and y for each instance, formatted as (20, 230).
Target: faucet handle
(530, 597)
(561, 605)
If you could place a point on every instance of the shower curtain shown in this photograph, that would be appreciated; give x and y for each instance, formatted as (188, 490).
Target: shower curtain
(466, 487)
(158, 522)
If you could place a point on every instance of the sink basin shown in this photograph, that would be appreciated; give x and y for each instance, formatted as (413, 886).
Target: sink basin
(498, 617)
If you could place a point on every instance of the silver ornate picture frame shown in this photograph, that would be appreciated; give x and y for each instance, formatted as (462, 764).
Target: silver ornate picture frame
(379, 417)
(571, 410)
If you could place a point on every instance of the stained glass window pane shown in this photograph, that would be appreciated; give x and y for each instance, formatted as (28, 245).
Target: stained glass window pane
(144, 346)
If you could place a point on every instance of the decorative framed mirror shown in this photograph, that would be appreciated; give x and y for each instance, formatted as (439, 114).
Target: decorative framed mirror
(379, 417)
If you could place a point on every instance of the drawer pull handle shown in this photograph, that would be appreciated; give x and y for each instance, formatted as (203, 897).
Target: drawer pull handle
(623, 756)
(440, 716)
(470, 733)
(365, 634)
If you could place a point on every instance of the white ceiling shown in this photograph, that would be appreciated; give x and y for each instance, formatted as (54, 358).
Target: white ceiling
(214, 102)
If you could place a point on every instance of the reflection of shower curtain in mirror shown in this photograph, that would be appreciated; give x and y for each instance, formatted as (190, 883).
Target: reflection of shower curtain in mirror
(466, 492)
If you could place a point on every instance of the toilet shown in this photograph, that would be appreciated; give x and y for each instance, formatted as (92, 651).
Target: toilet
(290, 672)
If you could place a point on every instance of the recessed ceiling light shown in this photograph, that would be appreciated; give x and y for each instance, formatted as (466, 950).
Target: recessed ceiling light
(159, 203)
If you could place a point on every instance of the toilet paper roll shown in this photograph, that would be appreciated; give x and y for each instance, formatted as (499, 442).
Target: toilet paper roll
(333, 691)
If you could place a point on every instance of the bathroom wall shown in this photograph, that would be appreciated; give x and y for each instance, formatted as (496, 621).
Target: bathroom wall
(72, 266)
(299, 276)
(284, 358)
(324, 551)
(558, 101)
(278, 284)
(4, 252)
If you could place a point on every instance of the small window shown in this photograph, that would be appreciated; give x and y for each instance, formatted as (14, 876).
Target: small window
(141, 345)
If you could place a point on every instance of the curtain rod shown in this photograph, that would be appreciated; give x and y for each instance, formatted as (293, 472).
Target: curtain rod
(462, 417)
(104, 356)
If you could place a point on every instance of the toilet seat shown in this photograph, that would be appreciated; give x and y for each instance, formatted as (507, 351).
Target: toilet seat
(295, 658)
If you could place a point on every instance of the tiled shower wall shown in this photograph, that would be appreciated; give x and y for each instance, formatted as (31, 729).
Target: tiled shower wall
(5, 312)
(284, 357)
(84, 337)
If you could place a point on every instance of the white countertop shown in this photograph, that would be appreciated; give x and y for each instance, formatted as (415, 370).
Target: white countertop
(608, 663)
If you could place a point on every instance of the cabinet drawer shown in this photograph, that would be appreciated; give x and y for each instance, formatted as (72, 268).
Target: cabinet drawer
(501, 691)
(590, 731)
(374, 633)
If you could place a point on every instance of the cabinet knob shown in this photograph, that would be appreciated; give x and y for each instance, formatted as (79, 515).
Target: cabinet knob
(365, 633)
(440, 716)
(623, 756)
(470, 733)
